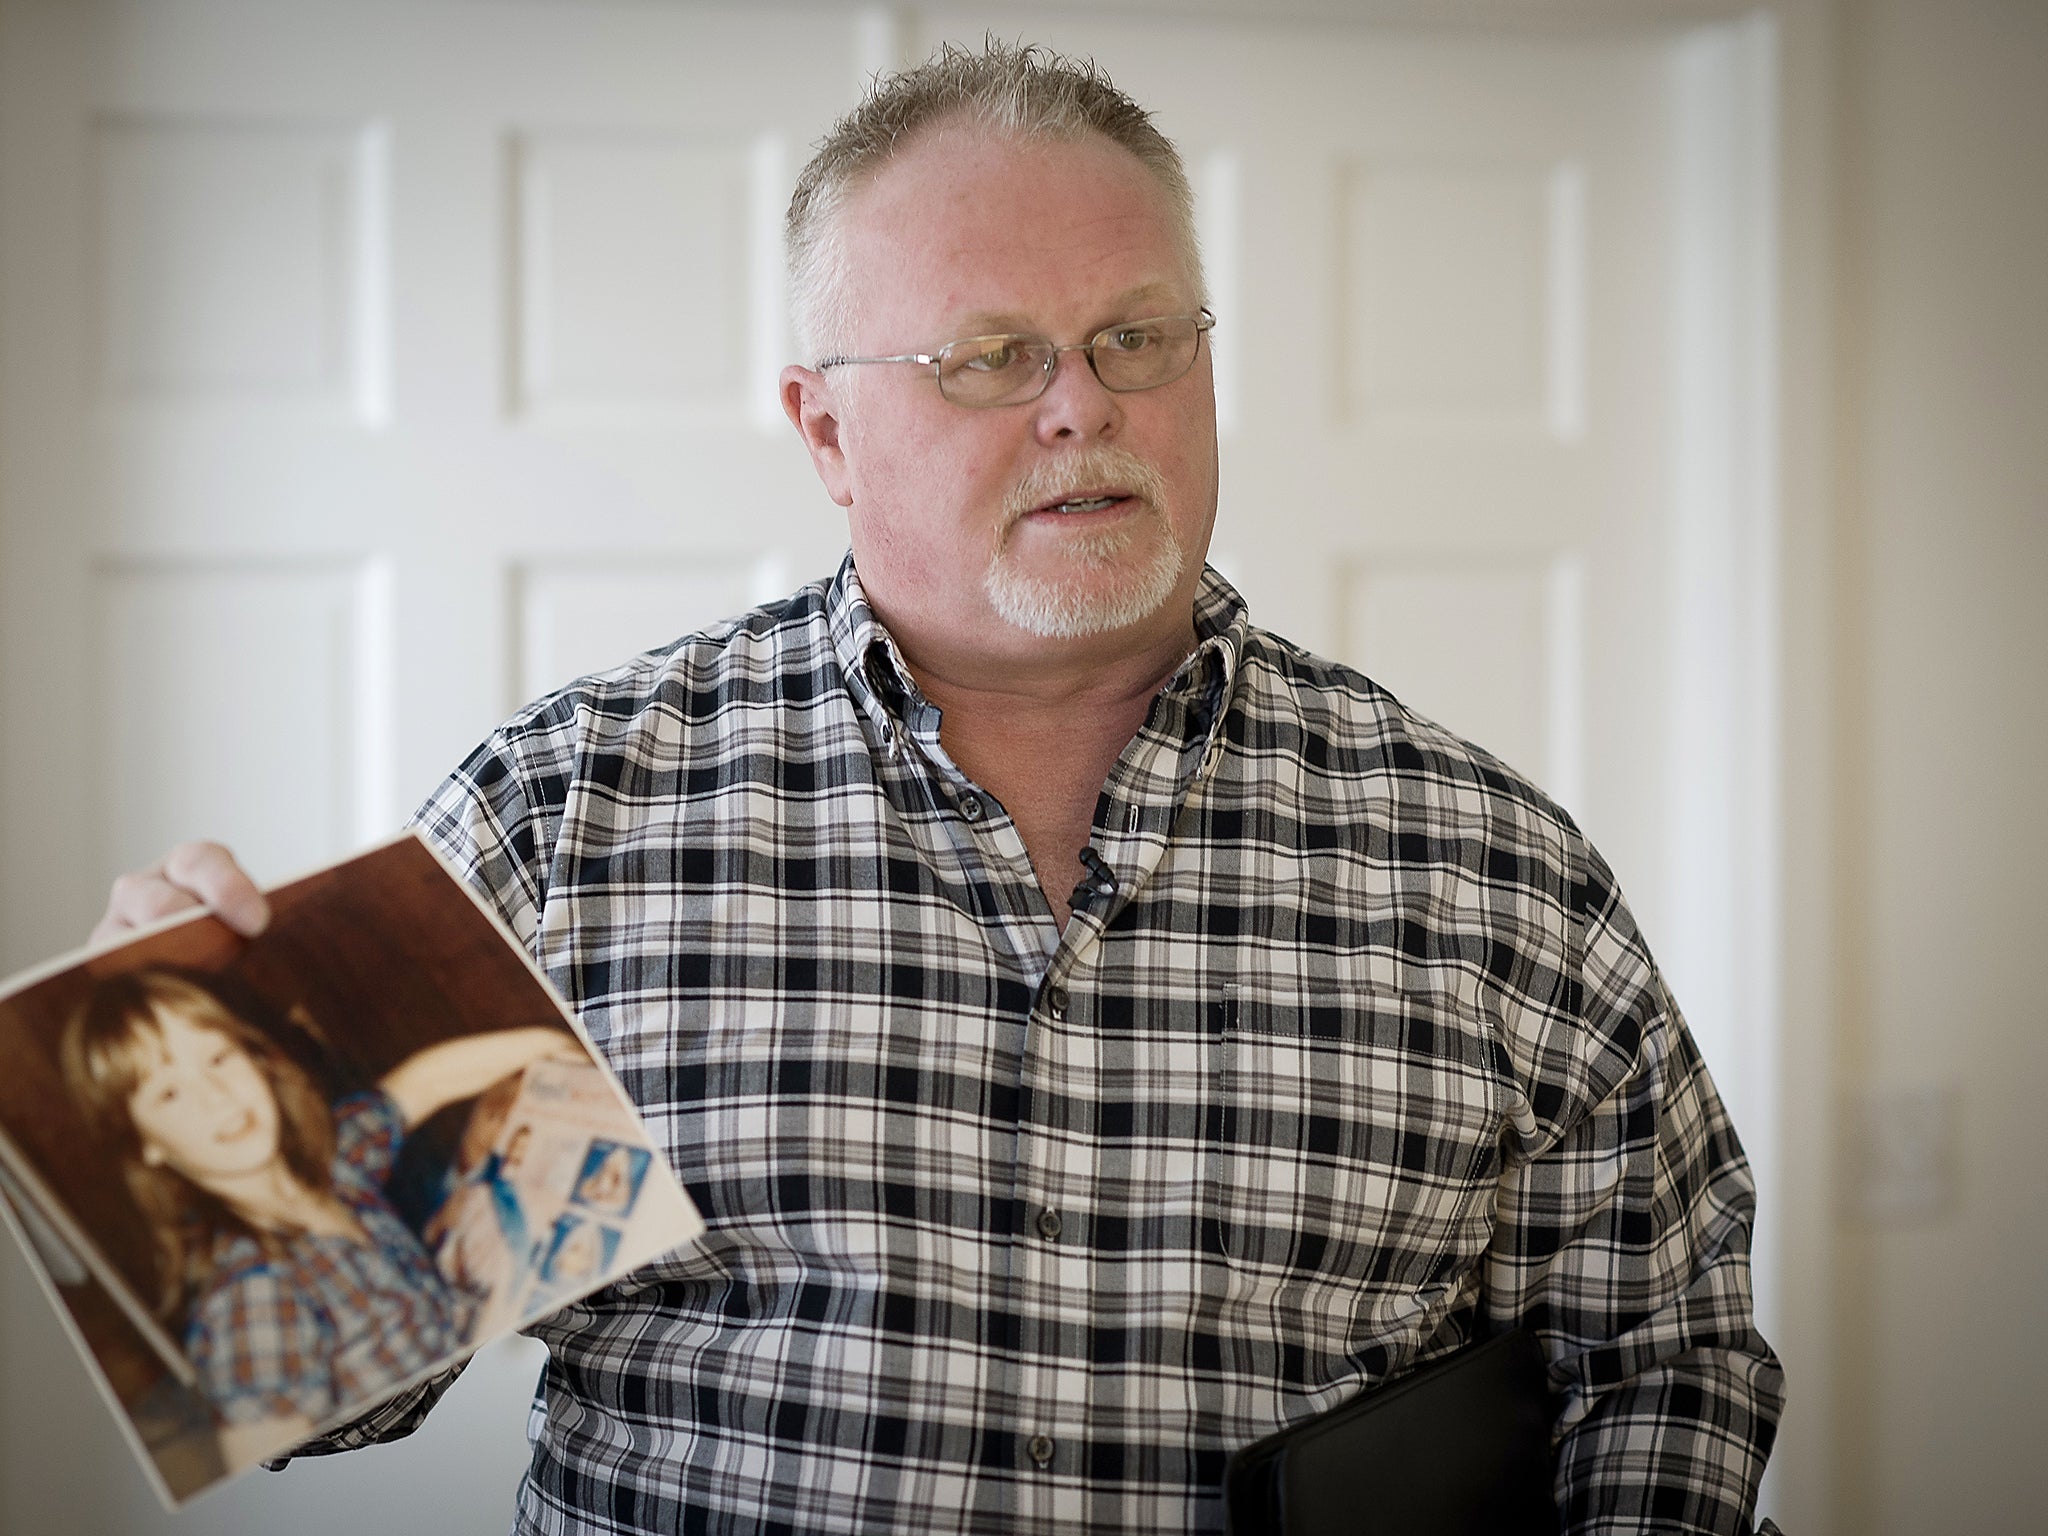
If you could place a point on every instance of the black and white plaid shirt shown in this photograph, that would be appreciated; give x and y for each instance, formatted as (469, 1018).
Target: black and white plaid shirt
(1349, 1053)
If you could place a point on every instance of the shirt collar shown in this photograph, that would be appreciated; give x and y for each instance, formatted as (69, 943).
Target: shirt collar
(1221, 623)
(881, 682)
(876, 673)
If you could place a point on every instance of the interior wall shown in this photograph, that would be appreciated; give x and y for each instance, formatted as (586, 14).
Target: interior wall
(1942, 832)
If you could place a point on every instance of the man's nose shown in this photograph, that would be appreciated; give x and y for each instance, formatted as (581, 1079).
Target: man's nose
(1075, 402)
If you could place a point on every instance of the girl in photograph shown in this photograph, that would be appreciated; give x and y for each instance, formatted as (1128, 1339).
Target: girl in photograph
(296, 1288)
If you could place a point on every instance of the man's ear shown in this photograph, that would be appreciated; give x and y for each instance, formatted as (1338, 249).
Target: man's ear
(808, 402)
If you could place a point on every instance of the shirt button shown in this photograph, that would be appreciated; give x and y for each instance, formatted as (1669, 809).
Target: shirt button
(1056, 1002)
(970, 807)
(1048, 1223)
(1041, 1449)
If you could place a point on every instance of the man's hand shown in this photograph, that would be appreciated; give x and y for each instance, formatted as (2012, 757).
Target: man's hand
(190, 875)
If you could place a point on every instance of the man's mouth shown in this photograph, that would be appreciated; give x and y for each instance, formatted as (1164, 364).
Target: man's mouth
(1091, 490)
(1081, 504)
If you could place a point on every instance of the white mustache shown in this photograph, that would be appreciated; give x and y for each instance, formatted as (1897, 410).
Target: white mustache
(1090, 470)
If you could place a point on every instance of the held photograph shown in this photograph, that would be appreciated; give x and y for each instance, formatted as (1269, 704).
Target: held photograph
(270, 1182)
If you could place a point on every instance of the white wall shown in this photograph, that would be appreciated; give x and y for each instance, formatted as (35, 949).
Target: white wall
(1941, 827)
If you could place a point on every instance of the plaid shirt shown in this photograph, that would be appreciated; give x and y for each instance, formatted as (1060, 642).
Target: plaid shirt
(313, 1324)
(1349, 1053)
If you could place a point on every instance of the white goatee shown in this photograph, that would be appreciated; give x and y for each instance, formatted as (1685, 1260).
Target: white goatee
(1100, 590)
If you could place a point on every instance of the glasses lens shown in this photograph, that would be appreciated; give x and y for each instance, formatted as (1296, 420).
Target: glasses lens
(993, 370)
(1142, 354)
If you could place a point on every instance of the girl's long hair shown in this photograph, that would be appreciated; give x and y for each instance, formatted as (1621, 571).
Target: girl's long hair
(111, 1042)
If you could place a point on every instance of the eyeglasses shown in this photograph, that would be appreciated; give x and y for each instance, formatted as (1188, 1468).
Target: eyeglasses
(1011, 369)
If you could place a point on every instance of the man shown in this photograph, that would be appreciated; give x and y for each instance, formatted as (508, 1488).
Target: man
(1097, 1032)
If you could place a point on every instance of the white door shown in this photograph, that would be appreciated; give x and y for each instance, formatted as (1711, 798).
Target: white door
(365, 369)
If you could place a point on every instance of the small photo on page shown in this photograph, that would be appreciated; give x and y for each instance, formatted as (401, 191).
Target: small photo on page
(270, 1183)
(611, 1177)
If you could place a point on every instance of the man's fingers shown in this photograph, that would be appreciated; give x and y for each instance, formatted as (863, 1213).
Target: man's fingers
(191, 874)
(210, 872)
(140, 898)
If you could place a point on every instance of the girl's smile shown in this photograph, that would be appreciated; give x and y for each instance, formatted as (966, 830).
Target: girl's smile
(203, 1106)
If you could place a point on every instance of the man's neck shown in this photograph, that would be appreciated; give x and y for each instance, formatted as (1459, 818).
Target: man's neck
(1043, 738)
(1036, 675)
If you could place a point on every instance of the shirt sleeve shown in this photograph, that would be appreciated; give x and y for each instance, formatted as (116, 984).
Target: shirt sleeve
(391, 1420)
(368, 1132)
(1623, 1242)
(261, 1350)
(495, 818)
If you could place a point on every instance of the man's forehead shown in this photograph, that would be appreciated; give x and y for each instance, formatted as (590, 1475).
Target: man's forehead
(1135, 303)
(985, 233)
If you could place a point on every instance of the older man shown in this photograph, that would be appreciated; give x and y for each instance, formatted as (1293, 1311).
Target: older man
(1097, 1032)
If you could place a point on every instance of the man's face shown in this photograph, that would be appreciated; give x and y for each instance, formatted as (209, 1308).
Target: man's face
(996, 534)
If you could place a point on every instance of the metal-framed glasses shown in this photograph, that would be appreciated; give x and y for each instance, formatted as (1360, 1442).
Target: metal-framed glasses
(1011, 369)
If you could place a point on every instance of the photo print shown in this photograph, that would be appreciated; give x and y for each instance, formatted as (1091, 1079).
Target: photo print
(269, 1183)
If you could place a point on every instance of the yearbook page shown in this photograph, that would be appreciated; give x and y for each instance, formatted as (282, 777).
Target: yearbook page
(269, 1183)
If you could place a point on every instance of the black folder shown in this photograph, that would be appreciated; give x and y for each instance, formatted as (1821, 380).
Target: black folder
(1458, 1448)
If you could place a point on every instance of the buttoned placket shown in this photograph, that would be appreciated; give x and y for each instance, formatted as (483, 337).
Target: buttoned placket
(1053, 1247)
(992, 855)
(1050, 1250)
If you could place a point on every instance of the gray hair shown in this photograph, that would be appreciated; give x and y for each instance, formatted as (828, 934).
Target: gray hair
(1024, 92)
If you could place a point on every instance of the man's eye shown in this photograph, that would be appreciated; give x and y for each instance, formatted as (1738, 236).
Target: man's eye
(1132, 338)
(994, 359)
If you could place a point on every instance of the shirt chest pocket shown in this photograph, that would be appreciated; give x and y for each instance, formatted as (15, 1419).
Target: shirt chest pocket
(1357, 1139)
